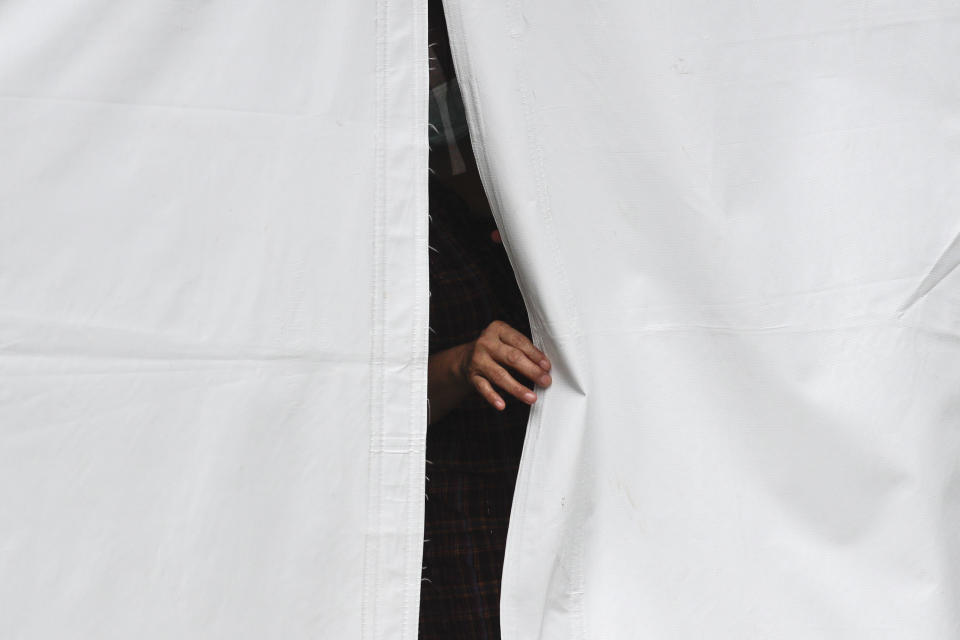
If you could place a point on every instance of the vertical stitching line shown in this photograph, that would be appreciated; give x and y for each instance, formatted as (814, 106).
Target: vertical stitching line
(371, 560)
(417, 425)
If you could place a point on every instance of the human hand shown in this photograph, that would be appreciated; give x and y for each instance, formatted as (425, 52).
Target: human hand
(484, 363)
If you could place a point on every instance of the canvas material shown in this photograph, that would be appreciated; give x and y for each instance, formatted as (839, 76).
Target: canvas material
(214, 318)
(735, 226)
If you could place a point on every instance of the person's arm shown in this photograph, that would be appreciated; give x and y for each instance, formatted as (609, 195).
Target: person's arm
(475, 367)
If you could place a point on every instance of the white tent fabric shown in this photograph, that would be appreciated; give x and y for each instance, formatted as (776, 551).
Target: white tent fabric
(736, 228)
(213, 318)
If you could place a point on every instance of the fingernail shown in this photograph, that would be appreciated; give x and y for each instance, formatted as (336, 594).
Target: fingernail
(529, 397)
(544, 380)
(500, 404)
(545, 365)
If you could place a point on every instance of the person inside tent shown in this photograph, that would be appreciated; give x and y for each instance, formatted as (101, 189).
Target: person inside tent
(483, 368)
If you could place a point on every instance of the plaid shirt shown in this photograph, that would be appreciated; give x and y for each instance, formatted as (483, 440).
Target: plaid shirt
(474, 451)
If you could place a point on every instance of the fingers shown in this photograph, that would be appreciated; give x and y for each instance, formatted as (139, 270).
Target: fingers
(520, 362)
(490, 373)
(500, 377)
(486, 390)
(498, 347)
(515, 339)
